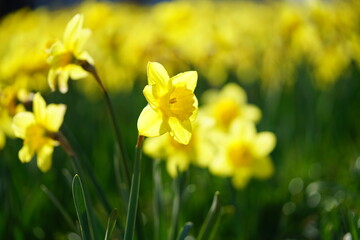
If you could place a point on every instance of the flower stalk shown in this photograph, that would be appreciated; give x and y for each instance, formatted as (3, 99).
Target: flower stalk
(134, 192)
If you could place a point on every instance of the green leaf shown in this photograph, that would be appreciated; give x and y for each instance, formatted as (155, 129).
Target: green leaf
(208, 228)
(81, 208)
(111, 224)
(58, 205)
(185, 231)
(134, 195)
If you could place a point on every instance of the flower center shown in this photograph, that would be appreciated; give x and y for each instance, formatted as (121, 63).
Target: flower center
(63, 59)
(36, 136)
(239, 154)
(225, 111)
(179, 103)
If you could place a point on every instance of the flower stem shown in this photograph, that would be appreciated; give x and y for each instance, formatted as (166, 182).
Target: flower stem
(91, 69)
(134, 192)
(70, 152)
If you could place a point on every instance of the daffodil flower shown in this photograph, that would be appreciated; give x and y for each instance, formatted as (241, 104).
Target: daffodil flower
(65, 55)
(244, 154)
(37, 129)
(172, 105)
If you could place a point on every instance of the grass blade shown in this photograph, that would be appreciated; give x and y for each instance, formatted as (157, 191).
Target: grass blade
(207, 229)
(185, 231)
(58, 205)
(111, 224)
(134, 193)
(81, 208)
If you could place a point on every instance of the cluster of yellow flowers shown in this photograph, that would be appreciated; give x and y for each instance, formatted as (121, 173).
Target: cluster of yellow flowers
(251, 40)
(224, 139)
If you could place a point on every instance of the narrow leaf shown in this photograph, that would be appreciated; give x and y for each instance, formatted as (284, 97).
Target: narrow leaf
(207, 229)
(81, 208)
(58, 205)
(185, 231)
(111, 224)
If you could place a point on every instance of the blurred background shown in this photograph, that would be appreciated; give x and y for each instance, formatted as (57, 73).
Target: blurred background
(298, 61)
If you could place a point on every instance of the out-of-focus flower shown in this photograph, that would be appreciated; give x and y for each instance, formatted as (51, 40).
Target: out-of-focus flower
(172, 105)
(244, 154)
(11, 102)
(228, 104)
(177, 156)
(65, 55)
(37, 129)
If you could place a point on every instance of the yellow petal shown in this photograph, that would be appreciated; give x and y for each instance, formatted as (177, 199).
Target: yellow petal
(241, 177)
(156, 147)
(76, 72)
(39, 108)
(52, 79)
(157, 74)
(86, 56)
(150, 123)
(263, 168)
(2, 139)
(251, 112)
(264, 143)
(189, 78)
(72, 29)
(63, 81)
(54, 116)
(44, 158)
(180, 130)
(177, 163)
(20, 123)
(220, 167)
(82, 36)
(234, 91)
(242, 129)
(25, 154)
(150, 96)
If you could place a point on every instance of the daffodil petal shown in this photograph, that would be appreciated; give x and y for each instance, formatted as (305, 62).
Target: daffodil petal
(39, 108)
(54, 116)
(25, 154)
(63, 81)
(251, 112)
(82, 37)
(241, 177)
(44, 156)
(175, 163)
(189, 78)
(180, 130)
(150, 123)
(73, 26)
(149, 95)
(20, 123)
(157, 74)
(2, 139)
(234, 91)
(76, 72)
(263, 168)
(52, 79)
(243, 129)
(264, 143)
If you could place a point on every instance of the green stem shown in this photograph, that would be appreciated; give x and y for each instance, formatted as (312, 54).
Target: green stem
(134, 192)
(91, 69)
(176, 205)
(159, 223)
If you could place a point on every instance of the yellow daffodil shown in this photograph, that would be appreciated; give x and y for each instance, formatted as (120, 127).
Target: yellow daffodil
(65, 55)
(36, 130)
(172, 105)
(177, 156)
(228, 104)
(244, 154)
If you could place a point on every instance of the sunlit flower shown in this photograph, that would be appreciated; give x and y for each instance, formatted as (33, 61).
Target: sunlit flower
(172, 105)
(244, 154)
(36, 129)
(228, 104)
(65, 55)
